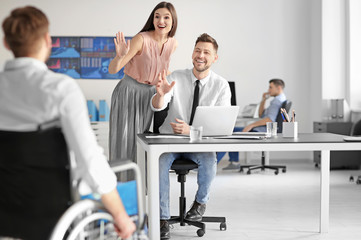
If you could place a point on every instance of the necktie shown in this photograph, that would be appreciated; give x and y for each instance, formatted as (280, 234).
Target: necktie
(195, 101)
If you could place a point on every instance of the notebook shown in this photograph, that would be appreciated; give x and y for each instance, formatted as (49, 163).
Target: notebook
(216, 120)
(352, 139)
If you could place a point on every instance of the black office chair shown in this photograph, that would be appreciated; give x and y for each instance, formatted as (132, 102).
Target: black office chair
(35, 184)
(286, 105)
(356, 131)
(181, 167)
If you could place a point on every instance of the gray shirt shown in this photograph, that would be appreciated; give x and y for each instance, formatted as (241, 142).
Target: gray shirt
(214, 91)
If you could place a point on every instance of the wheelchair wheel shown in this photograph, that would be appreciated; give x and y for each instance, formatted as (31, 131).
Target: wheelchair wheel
(86, 219)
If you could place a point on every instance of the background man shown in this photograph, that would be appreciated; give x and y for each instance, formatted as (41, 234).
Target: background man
(269, 114)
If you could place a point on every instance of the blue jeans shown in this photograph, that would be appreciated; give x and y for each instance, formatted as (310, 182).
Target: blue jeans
(234, 156)
(207, 168)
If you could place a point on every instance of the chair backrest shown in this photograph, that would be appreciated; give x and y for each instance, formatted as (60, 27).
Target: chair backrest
(232, 86)
(287, 106)
(35, 182)
(158, 119)
(356, 129)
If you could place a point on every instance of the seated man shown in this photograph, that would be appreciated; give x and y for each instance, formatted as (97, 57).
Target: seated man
(205, 88)
(269, 114)
(31, 94)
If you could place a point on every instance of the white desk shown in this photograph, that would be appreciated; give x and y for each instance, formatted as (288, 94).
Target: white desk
(324, 142)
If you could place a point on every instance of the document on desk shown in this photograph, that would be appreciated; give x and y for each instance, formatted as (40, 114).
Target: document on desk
(167, 136)
(239, 137)
(245, 135)
(352, 139)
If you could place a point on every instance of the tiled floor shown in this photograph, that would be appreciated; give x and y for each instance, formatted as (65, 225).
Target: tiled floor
(263, 206)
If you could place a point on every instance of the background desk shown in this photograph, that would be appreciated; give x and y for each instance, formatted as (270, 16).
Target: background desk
(338, 160)
(324, 142)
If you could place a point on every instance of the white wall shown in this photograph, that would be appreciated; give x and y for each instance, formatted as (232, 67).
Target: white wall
(333, 49)
(315, 85)
(354, 54)
(258, 39)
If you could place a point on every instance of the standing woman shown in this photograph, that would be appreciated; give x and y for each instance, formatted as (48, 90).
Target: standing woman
(144, 57)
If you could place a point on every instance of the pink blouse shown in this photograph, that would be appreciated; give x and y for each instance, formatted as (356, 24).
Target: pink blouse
(145, 68)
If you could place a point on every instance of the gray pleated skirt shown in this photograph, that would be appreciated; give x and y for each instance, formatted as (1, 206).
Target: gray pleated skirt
(130, 114)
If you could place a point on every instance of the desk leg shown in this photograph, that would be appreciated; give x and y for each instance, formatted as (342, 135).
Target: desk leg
(141, 161)
(153, 193)
(325, 191)
(266, 157)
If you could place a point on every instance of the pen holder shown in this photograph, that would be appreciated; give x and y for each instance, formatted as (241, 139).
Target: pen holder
(290, 129)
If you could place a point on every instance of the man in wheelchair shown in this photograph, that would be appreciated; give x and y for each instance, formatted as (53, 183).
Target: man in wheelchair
(30, 95)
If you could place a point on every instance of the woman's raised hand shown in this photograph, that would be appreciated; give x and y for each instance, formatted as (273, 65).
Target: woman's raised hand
(121, 47)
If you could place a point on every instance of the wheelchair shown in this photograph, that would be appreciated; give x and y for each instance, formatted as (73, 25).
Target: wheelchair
(88, 219)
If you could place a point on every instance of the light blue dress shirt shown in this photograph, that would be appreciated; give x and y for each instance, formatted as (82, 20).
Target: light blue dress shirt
(272, 111)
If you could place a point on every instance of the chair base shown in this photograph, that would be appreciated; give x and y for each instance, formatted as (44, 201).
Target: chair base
(276, 168)
(358, 180)
(263, 166)
(202, 227)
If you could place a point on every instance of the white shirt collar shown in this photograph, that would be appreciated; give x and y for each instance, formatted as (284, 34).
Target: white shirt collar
(202, 81)
(23, 62)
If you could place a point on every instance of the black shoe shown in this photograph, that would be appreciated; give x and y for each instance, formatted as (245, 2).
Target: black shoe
(164, 229)
(196, 212)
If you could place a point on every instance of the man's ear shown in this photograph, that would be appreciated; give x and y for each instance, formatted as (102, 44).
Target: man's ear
(6, 44)
(215, 58)
(48, 40)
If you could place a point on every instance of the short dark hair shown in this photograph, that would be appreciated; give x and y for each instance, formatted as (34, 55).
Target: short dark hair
(23, 29)
(278, 82)
(206, 38)
(149, 26)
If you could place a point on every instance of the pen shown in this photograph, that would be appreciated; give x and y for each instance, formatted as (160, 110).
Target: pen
(283, 116)
(286, 115)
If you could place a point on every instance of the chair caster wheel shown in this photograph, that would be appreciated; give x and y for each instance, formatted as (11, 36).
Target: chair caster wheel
(200, 232)
(276, 172)
(358, 182)
(241, 170)
(316, 165)
(248, 172)
(351, 179)
(284, 170)
(223, 226)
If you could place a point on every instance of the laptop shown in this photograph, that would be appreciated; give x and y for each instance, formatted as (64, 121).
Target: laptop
(216, 120)
(249, 111)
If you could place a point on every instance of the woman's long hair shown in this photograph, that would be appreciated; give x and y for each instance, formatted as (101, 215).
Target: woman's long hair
(149, 26)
